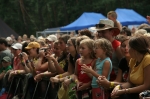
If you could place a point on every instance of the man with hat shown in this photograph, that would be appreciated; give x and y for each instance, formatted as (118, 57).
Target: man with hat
(106, 30)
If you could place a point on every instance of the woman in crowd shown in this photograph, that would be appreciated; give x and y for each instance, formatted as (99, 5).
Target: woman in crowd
(138, 79)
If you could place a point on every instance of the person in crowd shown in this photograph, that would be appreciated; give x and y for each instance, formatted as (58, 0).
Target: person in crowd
(72, 60)
(107, 30)
(148, 19)
(103, 50)
(50, 40)
(82, 80)
(42, 43)
(86, 32)
(112, 15)
(17, 65)
(139, 68)
(125, 31)
(25, 37)
(123, 70)
(52, 59)
(71, 48)
(6, 65)
(32, 38)
(19, 39)
(4, 51)
(78, 40)
(13, 38)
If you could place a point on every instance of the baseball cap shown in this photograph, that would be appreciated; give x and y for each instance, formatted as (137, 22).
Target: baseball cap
(17, 46)
(8, 39)
(33, 45)
(7, 59)
(52, 38)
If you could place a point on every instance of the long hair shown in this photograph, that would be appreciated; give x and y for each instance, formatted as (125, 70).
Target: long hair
(89, 44)
(140, 44)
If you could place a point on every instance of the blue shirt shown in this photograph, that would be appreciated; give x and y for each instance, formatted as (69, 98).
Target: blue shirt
(99, 70)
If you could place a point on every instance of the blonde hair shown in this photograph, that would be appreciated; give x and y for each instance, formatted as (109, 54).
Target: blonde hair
(105, 45)
(112, 13)
(89, 44)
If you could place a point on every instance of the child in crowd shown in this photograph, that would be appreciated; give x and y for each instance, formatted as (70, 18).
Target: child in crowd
(103, 50)
(82, 80)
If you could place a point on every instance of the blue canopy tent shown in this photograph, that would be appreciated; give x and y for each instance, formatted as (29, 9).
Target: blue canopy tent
(129, 17)
(86, 20)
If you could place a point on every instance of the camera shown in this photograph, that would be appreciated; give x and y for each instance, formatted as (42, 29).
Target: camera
(21, 54)
(146, 93)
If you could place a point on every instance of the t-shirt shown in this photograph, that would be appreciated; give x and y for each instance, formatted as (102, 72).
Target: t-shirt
(63, 62)
(5, 69)
(123, 65)
(137, 73)
(115, 60)
(99, 70)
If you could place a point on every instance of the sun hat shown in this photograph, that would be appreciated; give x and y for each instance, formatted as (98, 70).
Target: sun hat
(33, 45)
(6, 58)
(52, 38)
(105, 24)
(17, 46)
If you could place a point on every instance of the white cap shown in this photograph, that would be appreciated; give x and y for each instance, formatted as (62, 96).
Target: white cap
(8, 39)
(52, 38)
(40, 37)
(17, 46)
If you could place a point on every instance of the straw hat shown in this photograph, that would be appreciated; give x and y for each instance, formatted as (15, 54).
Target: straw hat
(105, 24)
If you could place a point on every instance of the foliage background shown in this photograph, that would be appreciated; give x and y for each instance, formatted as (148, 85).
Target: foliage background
(29, 16)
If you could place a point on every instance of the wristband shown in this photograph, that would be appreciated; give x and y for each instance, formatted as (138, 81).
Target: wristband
(121, 86)
(76, 81)
(18, 71)
(112, 84)
(60, 76)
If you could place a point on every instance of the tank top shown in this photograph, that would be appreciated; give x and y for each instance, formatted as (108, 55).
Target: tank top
(82, 76)
(99, 70)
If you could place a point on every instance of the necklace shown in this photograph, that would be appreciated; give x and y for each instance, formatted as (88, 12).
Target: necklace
(137, 63)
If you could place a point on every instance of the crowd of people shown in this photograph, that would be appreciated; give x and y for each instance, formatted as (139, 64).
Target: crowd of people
(111, 63)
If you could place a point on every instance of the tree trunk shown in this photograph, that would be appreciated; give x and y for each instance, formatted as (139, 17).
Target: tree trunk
(23, 14)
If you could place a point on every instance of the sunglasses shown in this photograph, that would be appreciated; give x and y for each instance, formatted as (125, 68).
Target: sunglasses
(100, 25)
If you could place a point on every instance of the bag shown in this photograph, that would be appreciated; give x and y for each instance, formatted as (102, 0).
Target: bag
(99, 93)
(62, 93)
